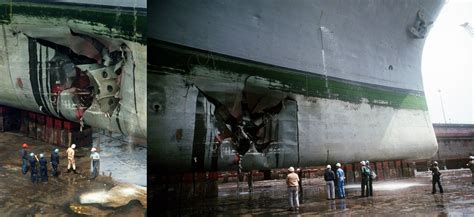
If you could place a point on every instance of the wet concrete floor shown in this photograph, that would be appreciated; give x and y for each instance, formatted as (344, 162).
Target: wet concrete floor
(59, 196)
(123, 159)
(403, 197)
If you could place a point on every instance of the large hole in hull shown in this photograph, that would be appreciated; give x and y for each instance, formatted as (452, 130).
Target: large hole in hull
(77, 70)
(252, 126)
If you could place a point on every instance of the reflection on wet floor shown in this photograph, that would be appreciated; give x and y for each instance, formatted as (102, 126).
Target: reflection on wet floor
(404, 197)
(389, 186)
(61, 196)
(125, 161)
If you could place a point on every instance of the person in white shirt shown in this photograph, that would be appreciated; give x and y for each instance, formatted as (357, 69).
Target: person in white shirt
(95, 163)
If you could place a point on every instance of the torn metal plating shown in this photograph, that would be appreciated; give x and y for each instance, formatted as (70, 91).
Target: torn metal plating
(79, 76)
(251, 123)
(93, 81)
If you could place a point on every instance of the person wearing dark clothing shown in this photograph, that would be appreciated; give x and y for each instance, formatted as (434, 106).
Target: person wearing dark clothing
(365, 173)
(436, 177)
(471, 166)
(55, 161)
(300, 183)
(330, 177)
(250, 180)
(33, 168)
(369, 179)
(43, 168)
(24, 159)
(336, 187)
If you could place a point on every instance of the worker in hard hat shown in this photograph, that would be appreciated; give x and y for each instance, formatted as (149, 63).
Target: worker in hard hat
(24, 158)
(369, 178)
(95, 163)
(292, 183)
(43, 165)
(436, 177)
(33, 168)
(329, 177)
(364, 173)
(471, 166)
(71, 162)
(340, 181)
(55, 162)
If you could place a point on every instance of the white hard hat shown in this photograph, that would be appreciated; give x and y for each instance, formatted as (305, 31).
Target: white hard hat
(338, 165)
(291, 169)
(93, 149)
(328, 166)
(363, 163)
(73, 146)
(57, 82)
(41, 155)
(471, 157)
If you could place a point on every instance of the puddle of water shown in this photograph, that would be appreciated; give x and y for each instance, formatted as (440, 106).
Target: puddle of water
(388, 186)
(118, 196)
(125, 161)
(94, 197)
(396, 186)
(464, 201)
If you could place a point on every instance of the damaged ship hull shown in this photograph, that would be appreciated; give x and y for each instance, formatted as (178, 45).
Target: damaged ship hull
(262, 85)
(76, 61)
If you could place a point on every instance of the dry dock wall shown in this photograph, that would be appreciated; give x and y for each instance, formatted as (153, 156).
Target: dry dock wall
(455, 144)
(49, 129)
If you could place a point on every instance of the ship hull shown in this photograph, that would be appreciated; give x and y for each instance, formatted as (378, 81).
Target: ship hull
(77, 46)
(270, 85)
(357, 121)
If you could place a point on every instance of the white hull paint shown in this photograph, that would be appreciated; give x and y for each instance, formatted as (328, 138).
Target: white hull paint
(17, 86)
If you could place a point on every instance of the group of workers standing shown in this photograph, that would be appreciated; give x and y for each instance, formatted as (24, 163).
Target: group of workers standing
(334, 180)
(39, 166)
(368, 176)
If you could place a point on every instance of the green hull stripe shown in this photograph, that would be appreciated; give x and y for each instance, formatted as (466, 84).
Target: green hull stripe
(163, 54)
(128, 23)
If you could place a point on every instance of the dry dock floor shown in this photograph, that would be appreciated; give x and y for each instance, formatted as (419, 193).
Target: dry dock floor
(402, 197)
(57, 197)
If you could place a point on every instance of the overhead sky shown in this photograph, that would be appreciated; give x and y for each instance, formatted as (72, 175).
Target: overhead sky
(448, 65)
